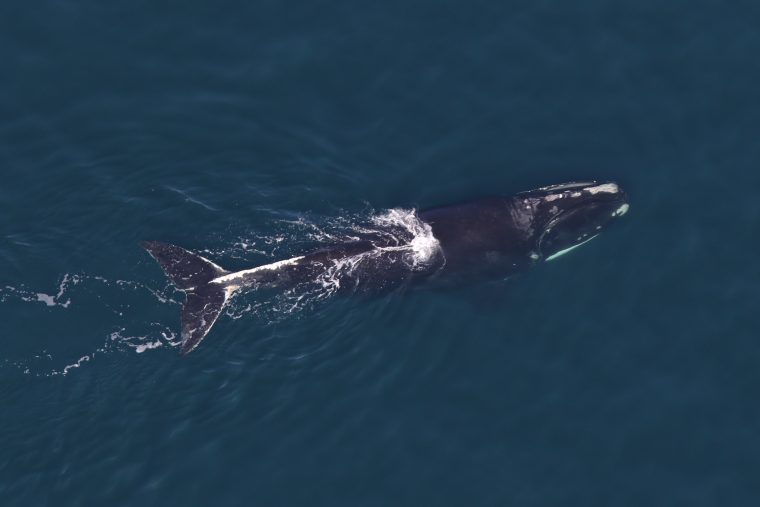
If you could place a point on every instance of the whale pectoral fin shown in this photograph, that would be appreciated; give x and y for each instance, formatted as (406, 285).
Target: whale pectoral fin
(199, 312)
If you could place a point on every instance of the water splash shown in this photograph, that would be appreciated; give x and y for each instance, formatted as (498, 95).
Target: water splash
(416, 235)
(9, 292)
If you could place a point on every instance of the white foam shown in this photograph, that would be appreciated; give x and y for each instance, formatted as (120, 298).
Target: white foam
(79, 363)
(189, 198)
(147, 346)
(48, 299)
(423, 245)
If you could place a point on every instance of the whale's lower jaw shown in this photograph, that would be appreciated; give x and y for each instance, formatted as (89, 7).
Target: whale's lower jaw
(566, 250)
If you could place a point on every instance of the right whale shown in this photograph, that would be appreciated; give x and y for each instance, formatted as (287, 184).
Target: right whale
(492, 238)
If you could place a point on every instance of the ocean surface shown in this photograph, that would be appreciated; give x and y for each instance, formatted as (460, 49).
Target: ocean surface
(626, 373)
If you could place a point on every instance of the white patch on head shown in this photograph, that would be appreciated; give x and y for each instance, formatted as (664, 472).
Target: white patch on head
(568, 186)
(622, 210)
(554, 197)
(607, 188)
(563, 252)
(534, 256)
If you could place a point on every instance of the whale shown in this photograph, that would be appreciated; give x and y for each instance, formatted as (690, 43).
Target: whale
(492, 237)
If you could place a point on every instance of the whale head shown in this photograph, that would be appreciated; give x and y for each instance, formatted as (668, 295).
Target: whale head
(571, 214)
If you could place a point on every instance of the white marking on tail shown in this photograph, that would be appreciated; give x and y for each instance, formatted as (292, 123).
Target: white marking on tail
(266, 267)
(217, 266)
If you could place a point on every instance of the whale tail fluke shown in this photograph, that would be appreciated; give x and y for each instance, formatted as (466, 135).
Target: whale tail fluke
(199, 312)
(185, 269)
(192, 274)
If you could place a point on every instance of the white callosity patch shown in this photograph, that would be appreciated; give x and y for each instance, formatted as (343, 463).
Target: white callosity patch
(573, 185)
(575, 191)
(622, 210)
(606, 188)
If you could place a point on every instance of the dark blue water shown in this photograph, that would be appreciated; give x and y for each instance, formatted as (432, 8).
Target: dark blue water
(625, 373)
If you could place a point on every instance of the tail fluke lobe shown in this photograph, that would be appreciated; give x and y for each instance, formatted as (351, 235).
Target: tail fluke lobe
(199, 312)
(185, 269)
(192, 273)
